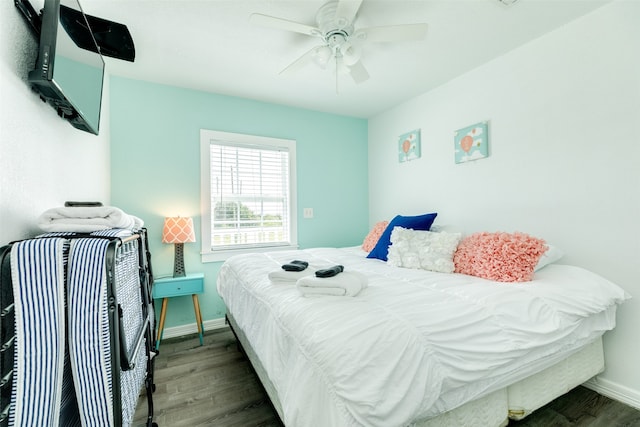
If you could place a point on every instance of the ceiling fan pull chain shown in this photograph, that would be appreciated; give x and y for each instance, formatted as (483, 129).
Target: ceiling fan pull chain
(337, 89)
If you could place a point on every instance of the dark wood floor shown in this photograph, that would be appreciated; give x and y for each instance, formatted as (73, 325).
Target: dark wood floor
(214, 385)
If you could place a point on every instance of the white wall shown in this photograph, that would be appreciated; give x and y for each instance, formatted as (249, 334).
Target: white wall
(563, 115)
(43, 159)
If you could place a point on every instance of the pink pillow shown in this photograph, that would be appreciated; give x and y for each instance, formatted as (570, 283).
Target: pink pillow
(374, 235)
(503, 257)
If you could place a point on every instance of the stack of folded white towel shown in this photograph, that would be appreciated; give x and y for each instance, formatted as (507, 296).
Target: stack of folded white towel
(346, 283)
(86, 219)
(282, 277)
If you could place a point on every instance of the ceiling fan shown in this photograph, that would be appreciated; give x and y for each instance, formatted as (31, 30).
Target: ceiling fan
(340, 41)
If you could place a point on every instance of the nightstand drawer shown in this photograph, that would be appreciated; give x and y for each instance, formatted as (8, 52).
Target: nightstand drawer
(177, 286)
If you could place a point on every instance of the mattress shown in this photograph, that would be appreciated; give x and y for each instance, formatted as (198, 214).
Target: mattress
(533, 392)
(413, 344)
(495, 409)
(65, 337)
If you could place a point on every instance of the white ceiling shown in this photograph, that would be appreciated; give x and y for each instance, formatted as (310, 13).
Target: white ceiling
(210, 45)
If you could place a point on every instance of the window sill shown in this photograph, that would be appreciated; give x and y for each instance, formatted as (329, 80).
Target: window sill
(220, 256)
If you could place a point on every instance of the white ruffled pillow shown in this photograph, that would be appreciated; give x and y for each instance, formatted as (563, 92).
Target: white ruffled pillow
(426, 250)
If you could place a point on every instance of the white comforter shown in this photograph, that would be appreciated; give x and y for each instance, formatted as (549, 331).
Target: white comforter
(414, 343)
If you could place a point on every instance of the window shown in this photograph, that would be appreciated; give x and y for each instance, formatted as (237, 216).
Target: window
(248, 194)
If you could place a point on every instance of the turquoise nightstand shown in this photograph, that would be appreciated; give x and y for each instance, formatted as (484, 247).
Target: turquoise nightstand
(167, 287)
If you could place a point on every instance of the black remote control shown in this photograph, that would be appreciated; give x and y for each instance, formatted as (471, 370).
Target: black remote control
(330, 272)
(70, 204)
(295, 265)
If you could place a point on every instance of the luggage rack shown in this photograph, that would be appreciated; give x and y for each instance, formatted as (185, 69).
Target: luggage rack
(127, 263)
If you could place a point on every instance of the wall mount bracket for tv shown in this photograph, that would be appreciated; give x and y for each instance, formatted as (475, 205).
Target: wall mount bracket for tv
(112, 38)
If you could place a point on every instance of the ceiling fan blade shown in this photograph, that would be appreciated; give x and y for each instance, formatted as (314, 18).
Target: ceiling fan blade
(359, 73)
(347, 10)
(301, 61)
(283, 24)
(392, 33)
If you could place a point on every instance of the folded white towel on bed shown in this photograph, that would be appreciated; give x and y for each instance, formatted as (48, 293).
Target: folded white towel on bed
(282, 277)
(347, 283)
(85, 219)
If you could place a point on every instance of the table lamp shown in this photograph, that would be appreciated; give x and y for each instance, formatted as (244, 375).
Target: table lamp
(178, 230)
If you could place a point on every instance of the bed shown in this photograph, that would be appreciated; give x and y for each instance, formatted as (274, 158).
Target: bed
(416, 347)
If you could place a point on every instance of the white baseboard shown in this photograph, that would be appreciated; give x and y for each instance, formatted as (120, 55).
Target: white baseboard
(614, 391)
(192, 328)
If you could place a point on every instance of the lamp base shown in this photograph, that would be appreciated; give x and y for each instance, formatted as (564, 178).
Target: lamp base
(178, 263)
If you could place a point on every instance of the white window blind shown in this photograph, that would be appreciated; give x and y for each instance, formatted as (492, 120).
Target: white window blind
(250, 192)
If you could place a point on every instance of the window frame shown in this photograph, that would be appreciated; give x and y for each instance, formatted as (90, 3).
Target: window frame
(206, 137)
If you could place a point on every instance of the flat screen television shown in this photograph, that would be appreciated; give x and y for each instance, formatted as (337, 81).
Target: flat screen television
(69, 71)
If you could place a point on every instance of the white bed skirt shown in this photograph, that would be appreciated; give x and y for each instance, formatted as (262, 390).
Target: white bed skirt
(493, 410)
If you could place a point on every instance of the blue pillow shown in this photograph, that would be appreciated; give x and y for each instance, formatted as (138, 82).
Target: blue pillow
(420, 222)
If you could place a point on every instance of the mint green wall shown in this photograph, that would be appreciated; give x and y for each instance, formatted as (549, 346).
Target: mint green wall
(155, 170)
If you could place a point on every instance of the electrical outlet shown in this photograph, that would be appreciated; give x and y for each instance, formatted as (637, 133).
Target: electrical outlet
(307, 213)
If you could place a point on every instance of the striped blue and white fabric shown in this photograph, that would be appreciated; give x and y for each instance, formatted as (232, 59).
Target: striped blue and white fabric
(89, 345)
(113, 232)
(37, 270)
(130, 299)
(90, 335)
(63, 375)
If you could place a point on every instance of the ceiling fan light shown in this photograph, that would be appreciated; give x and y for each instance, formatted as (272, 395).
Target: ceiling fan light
(322, 55)
(350, 54)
